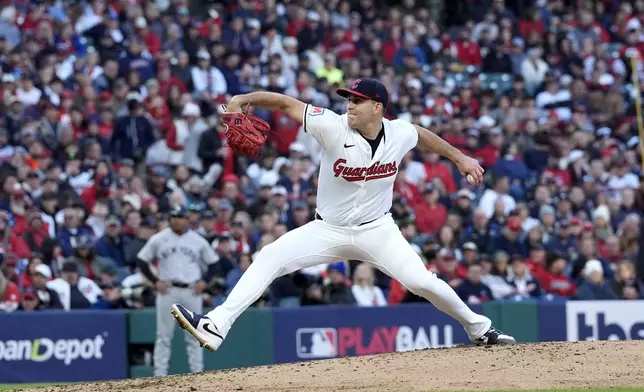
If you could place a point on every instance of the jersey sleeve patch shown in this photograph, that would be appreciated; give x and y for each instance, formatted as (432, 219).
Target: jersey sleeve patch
(316, 111)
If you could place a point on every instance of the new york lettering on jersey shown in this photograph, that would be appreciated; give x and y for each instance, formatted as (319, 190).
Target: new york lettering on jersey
(181, 251)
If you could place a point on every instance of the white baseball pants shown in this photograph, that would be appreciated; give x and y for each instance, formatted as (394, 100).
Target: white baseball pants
(380, 243)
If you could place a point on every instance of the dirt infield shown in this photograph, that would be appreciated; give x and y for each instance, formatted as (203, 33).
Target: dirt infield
(525, 366)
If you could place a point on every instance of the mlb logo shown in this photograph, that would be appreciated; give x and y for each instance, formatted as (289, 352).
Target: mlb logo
(316, 343)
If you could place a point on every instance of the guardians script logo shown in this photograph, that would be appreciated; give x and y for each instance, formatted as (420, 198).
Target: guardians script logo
(373, 172)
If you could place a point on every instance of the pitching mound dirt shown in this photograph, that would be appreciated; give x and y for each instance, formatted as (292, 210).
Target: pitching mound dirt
(525, 366)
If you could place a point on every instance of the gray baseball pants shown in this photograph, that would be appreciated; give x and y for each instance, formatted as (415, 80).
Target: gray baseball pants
(165, 329)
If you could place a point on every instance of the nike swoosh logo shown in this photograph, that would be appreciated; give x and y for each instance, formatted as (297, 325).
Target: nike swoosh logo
(207, 328)
(347, 146)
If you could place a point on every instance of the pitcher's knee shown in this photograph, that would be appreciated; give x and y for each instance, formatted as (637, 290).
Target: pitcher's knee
(271, 257)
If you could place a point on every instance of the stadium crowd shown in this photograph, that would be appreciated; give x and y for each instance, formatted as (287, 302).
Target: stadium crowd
(111, 115)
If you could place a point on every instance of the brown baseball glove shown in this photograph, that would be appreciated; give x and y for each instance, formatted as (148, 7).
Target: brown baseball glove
(246, 133)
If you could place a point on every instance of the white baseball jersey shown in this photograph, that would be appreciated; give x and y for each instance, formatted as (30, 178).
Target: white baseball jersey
(183, 258)
(353, 187)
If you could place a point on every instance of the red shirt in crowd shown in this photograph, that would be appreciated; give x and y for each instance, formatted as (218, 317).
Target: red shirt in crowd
(408, 191)
(344, 49)
(562, 175)
(455, 139)
(527, 26)
(171, 138)
(90, 195)
(557, 284)
(389, 50)
(286, 128)
(473, 105)
(17, 246)
(11, 297)
(614, 259)
(164, 86)
(430, 218)
(487, 155)
(468, 52)
(295, 26)
(441, 171)
(207, 26)
(459, 273)
(39, 235)
(221, 226)
(25, 280)
(105, 129)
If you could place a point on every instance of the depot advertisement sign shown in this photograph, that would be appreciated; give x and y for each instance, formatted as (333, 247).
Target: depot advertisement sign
(62, 347)
(340, 331)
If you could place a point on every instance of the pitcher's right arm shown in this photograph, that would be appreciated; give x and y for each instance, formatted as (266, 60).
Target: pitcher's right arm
(323, 124)
(267, 100)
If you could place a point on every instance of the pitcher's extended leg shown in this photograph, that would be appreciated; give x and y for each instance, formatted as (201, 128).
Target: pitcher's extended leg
(394, 255)
(312, 244)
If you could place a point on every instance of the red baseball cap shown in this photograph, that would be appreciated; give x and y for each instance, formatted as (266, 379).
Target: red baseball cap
(514, 225)
(230, 177)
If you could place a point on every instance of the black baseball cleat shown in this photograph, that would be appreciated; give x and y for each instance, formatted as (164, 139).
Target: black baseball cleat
(494, 337)
(199, 326)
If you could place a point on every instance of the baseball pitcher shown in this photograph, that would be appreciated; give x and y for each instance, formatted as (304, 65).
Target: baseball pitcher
(184, 257)
(362, 153)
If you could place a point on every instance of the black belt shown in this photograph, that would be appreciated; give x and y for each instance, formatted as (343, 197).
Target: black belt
(317, 216)
(181, 285)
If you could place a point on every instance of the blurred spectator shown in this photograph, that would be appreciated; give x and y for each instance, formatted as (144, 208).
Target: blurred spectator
(9, 294)
(554, 279)
(75, 291)
(71, 230)
(133, 133)
(110, 298)
(8, 267)
(594, 287)
(25, 280)
(509, 240)
(236, 273)
(363, 289)
(430, 214)
(47, 298)
(28, 301)
(337, 290)
(495, 274)
(12, 242)
(525, 285)
(113, 244)
(626, 285)
(498, 192)
(472, 290)
(286, 293)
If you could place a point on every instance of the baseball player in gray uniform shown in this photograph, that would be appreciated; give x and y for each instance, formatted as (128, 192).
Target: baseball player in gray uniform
(184, 257)
(362, 154)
